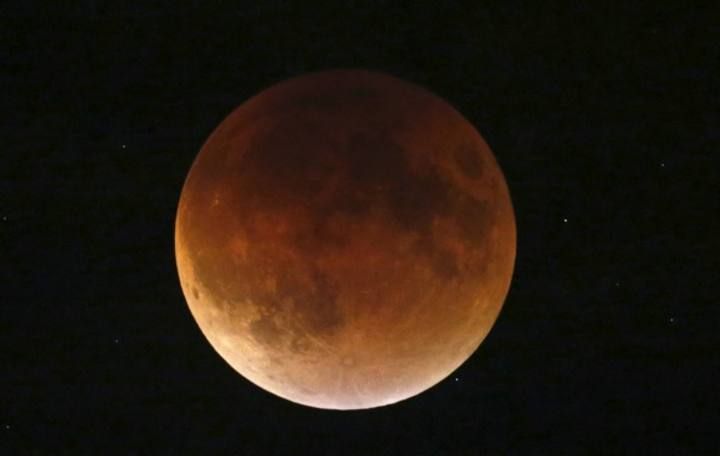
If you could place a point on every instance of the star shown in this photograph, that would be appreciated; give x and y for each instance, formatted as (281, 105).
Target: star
(457, 379)
(117, 341)
(564, 220)
(672, 319)
(123, 146)
(662, 165)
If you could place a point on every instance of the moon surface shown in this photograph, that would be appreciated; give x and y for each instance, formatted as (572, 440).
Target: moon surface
(345, 239)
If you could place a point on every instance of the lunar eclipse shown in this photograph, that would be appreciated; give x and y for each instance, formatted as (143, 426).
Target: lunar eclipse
(345, 239)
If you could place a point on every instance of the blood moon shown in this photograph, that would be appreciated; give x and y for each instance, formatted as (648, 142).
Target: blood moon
(345, 239)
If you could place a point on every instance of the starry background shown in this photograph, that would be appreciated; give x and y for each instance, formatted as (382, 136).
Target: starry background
(604, 120)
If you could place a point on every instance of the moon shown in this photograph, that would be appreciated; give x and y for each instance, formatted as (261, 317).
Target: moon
(345, 239)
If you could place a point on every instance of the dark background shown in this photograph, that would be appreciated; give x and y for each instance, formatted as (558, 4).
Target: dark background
(604, 120)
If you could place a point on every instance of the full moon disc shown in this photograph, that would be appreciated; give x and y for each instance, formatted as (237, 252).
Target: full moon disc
(345, 239)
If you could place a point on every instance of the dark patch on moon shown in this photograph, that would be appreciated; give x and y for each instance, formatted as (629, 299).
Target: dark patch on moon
(320, 312)
(474, 219)
(195, 293)
(286, 153)
(469, 161)
(265, 331)
(379, 169)
(317, 311)
(444, 264)
(320, 235)
(416, 200)
(374, 159)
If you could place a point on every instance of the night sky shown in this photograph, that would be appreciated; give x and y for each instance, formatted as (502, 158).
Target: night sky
(605, 121)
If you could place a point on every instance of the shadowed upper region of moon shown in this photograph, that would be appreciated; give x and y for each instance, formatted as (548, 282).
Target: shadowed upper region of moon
(345, 239)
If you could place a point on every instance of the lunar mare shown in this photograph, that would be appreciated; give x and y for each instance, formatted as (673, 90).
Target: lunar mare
(345, 239)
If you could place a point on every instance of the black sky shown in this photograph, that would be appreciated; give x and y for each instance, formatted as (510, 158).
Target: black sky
(604, 120)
